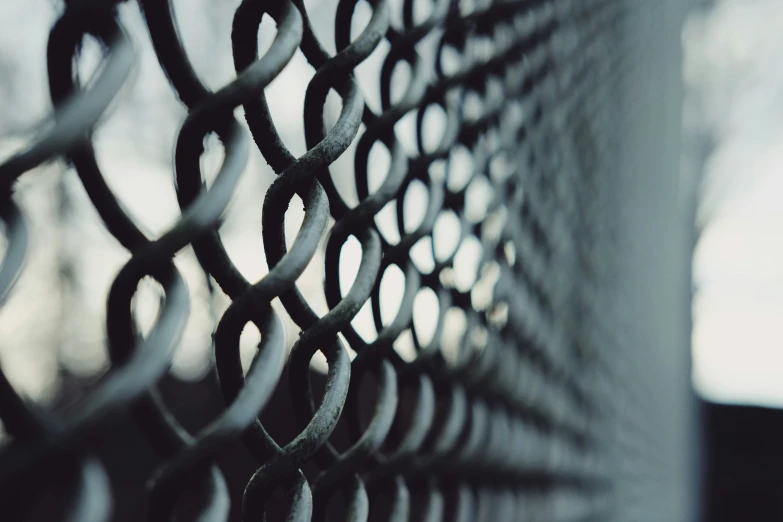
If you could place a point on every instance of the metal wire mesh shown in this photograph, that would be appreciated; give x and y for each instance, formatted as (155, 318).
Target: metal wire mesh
(509, 421)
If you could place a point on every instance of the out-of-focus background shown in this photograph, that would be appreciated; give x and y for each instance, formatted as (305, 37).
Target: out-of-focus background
(733, 118)
(734, 111)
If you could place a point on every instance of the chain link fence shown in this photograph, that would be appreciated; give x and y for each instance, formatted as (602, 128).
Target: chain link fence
(502, 180)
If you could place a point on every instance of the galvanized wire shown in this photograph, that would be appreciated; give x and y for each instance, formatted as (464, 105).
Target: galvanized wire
(509, 428)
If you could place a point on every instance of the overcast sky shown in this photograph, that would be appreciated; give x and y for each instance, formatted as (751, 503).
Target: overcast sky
(735, 80)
